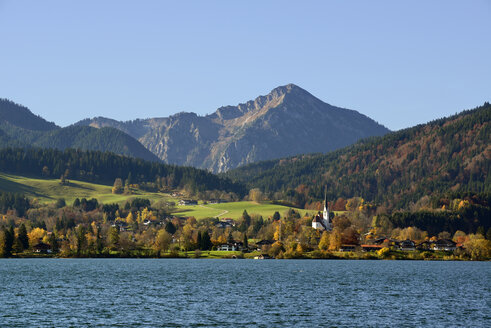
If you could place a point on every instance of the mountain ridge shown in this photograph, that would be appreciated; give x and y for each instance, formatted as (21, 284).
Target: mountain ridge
(275, 125)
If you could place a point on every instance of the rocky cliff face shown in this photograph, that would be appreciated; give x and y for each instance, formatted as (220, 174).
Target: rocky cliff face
(288, 121)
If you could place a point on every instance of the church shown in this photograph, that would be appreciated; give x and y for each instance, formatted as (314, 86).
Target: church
(323, 222)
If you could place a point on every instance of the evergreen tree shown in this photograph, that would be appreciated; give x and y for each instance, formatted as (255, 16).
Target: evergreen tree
(246, 241)
(206, 241)
(170, 228)
(81, 239)
(60, 202)
(8, 241)
(22, 236)
(53, 242)
(17, 247)
(76, 202)
(98, 241)
(230, 238)
(198, 241)
(114, 237)
(276, 216)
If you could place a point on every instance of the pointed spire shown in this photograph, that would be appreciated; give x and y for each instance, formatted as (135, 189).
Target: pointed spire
(325, 197)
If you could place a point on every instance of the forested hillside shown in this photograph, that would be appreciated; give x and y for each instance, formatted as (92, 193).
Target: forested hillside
(104, 167)
(19, 127)
(447, 155)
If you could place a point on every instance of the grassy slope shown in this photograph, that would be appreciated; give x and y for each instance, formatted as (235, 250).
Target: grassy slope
(233, 210)
(48, 190)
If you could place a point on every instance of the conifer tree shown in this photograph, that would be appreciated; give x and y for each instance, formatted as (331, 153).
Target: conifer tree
(199, 243)
(22, 236)
(53, 242)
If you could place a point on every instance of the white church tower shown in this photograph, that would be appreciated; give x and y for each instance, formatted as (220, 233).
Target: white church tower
(325, 215)
(323, 222)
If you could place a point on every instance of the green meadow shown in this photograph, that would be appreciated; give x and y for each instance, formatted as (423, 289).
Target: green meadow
(49, 190)
(232, 210)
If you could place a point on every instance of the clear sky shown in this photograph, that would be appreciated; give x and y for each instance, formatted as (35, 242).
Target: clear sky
(399, 62)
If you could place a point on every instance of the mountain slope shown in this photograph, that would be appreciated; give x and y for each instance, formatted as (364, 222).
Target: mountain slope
(19, 127)
(451, 154)
(288, 121)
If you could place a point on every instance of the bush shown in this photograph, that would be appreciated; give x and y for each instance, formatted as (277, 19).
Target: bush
(383, 253)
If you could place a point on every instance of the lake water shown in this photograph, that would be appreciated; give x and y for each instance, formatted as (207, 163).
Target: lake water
(243, 293)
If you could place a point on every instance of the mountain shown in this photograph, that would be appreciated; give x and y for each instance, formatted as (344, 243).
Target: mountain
(288, 121)
(19, 127)
(447, 155)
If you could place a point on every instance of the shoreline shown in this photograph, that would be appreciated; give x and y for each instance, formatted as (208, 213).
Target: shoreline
(204, 255)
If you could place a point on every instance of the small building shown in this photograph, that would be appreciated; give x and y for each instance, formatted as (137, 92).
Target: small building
(217, 201)
(371, 248)
(425, 246)
(235, 246)
(262, 257)
(445, 245)
(223, 224)
(264, 243)
(41, 248)
(407, 245)
(187, 202)
(347, 248)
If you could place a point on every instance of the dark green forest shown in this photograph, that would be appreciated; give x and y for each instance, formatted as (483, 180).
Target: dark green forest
(19, 127)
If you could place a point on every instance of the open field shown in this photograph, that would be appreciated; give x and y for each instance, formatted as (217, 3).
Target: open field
(233, 210)
(48, 190)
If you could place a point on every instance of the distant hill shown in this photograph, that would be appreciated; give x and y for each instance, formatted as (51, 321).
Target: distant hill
(288, 121)
(105, 167)
(447, 155)
(20, 116)
(19, 127)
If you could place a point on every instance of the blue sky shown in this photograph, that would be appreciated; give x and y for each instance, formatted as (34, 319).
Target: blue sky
(399, 62)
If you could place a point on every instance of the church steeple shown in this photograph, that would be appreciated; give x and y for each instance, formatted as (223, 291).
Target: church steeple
(325, 216)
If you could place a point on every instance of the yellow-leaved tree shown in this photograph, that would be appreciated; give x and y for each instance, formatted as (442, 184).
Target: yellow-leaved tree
(324, 242)
(35, 235)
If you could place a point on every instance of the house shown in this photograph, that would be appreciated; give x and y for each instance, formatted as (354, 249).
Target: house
(235, 246)
(264, 243)
(121, 225)
(407, 245)
(444, 245)
(371, 248)
(425, 245)
(347, 248)
(187, 202)
(217, 201)
(322, 221)
(41, 248)
(223, 224)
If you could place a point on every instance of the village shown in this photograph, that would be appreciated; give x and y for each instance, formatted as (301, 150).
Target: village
(136, 230)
